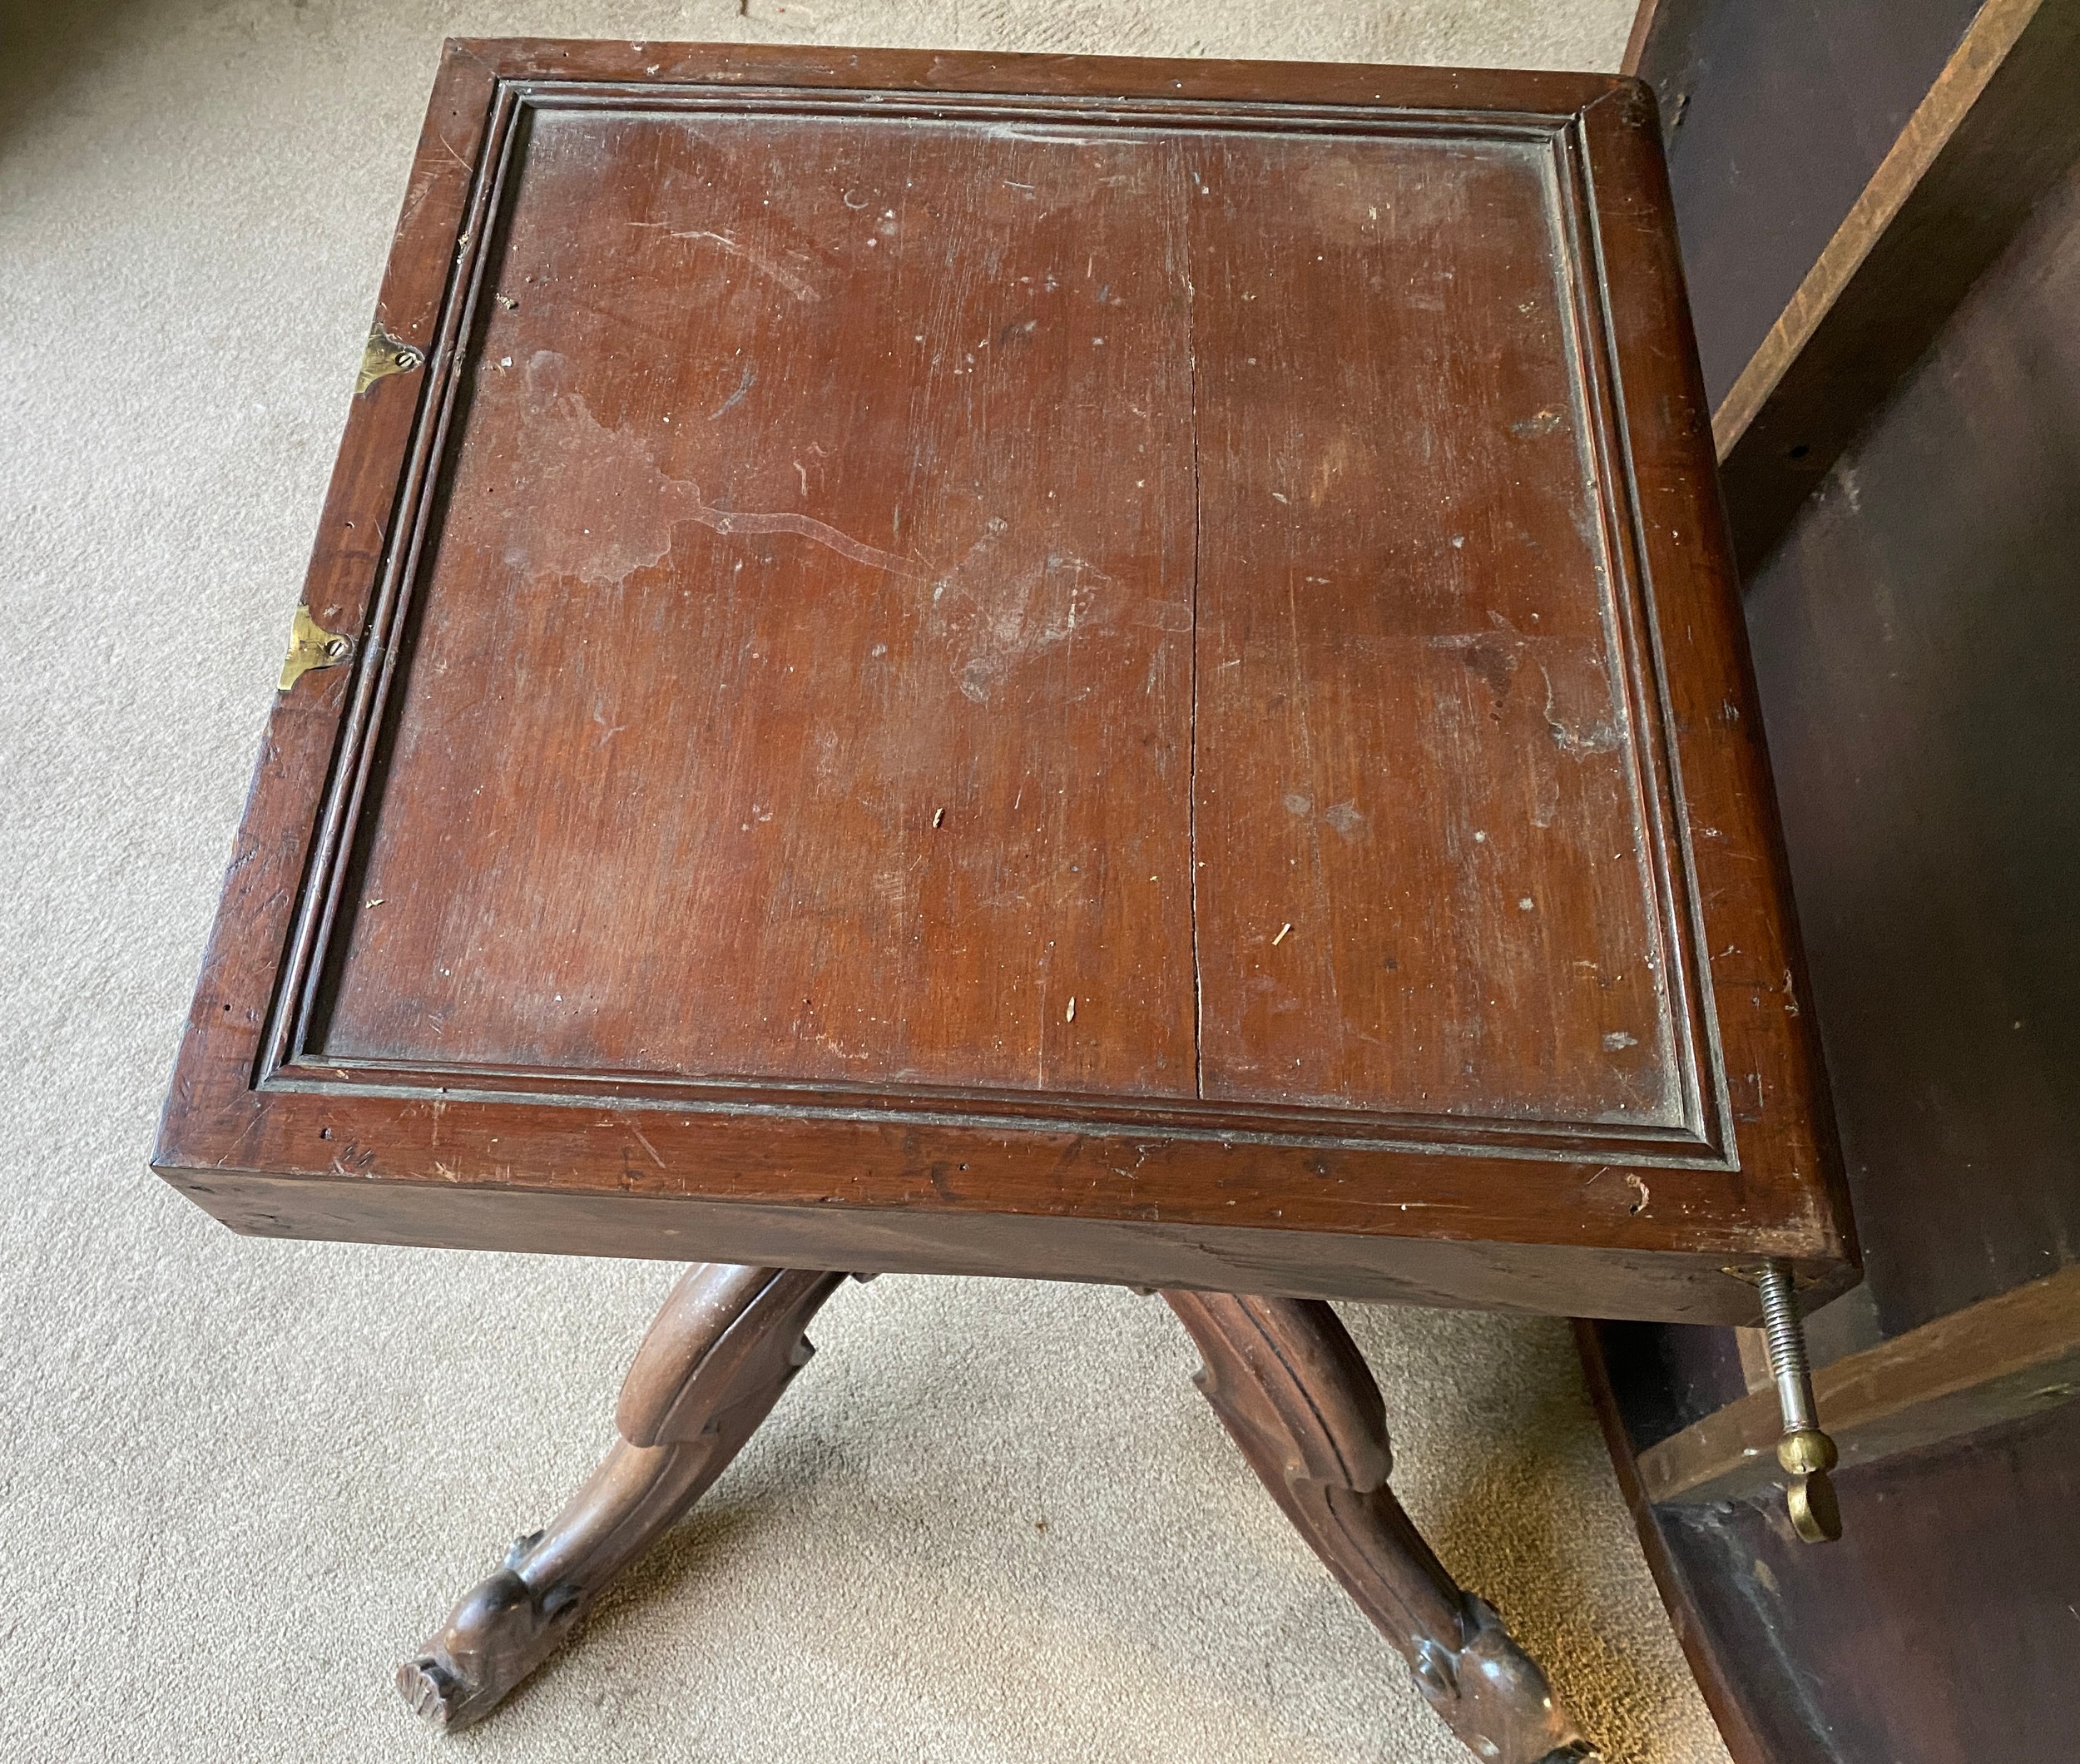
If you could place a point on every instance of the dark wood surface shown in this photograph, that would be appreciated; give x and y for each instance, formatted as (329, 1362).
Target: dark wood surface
(1914, 637)
(1113, 669)
(1776, 112)
(1672, 1375)
(1943, 1626)
(1939, 1627)
(1997, 131)
(916, 1232)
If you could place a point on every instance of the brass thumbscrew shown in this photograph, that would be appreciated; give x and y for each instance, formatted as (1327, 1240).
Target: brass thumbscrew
(1806, 1453)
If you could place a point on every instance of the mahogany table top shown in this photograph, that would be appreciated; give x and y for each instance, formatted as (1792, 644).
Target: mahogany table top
(1123, 670)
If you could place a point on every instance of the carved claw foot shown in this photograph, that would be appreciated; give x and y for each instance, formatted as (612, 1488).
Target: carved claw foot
(499, 1633)
(1495, 1696)
(1292, 1389)
(714, 1363)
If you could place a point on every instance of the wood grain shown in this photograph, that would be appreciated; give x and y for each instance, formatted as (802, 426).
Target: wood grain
(1426, 881)
(921, 1234)
(1996, 129)
(821, 624)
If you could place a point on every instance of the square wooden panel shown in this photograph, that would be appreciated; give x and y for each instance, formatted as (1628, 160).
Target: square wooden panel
(1102, 668)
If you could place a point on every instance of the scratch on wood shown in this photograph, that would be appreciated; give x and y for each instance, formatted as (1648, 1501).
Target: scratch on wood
(786, 278)
(737, 397)
(807, 527)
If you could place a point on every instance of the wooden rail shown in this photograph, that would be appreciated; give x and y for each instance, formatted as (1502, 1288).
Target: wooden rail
(2009, 1355)
(2000, 126)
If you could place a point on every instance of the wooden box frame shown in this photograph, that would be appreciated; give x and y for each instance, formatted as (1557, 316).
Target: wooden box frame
(274, 1138)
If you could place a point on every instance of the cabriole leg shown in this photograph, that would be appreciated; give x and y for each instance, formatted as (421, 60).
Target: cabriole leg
(714, 1363)
(1291, 1386)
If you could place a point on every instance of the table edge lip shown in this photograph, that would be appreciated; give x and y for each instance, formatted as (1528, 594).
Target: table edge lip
(1565, 92)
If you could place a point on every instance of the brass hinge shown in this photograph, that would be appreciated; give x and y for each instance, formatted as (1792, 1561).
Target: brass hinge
(311, 645)
(384, 354)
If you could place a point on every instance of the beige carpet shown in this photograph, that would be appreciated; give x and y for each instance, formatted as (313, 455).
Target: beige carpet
(238, 1479)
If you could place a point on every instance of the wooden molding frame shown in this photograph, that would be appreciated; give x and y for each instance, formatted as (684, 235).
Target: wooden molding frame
(288, 1119)
(2010, 1356)
(1996, 129)
(297, 1055)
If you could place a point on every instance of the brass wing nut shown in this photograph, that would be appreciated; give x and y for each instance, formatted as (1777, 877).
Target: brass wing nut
(311, 645)
(1806, 1454)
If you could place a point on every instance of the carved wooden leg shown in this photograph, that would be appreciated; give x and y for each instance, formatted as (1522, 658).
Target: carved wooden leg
(1292, 1388)
(713, 1365)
